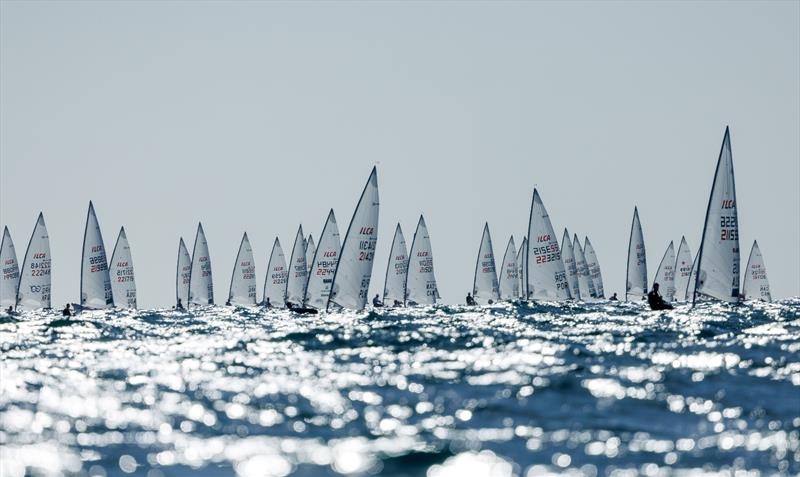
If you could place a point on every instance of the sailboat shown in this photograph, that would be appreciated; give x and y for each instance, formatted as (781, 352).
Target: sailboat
(311, 249)
(123, 282)
(665, 274)
(323, 265)
(546, 275)
(420, 286)
(585, 282)
(522, 269)
(183, 275)
(276, 279)
(568, 257)
(718, 258)
(683, 268)
(10, 279)
(298, 272)
(201, 283)
(396, 270)
(636, 276)
(594, 268)
(509, 273)
(687, 294)
(95, 281)
(354, 270)
(756, 285)
(33, 291)
(485, 288)
(243, 279)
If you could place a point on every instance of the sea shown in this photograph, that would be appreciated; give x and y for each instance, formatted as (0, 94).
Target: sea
(590, 389)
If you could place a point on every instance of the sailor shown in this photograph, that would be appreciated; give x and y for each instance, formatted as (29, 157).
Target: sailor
(66, 311)
(179, 305)
(470, 300)
(10, 310)
(267, 303)
(376, 302)
(397, 303)
(655, 301)
(228, 303)
(614, 297)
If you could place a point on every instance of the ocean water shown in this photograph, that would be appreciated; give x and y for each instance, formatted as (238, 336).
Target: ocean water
(508, 390)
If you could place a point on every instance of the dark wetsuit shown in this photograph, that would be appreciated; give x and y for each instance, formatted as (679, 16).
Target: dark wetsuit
(656, 302)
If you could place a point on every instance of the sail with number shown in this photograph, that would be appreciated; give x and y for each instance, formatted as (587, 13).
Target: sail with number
(276, 279)
(323, 264)
(594, 268)
(311, 249)
(201, 283)
(95, 281)
(421, 282)
(396, 270)
(183, 274)
(10, 278)
(636, 276)
(34, 279)
(522, 270)
(298, 271)
(756, 285)
(546, 275)
(689, 292)
(585, 283)
(665, 274)
(509, 279)
(354, 270)
(123, 283)
(718, 263)
(683, 268)
(243, 280)
(568, 257)
(485, 288)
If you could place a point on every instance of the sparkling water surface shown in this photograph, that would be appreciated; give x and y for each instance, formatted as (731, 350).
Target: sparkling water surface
(507, 390)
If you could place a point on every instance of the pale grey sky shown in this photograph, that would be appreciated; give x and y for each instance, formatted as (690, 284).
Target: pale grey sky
(258, 116)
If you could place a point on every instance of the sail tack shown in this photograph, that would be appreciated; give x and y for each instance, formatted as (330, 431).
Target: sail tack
(756, 285)
(509, 279)
(665, 274)
(636, 277)
(585, 283)
(485, 288)
(183, 275)
(594, 268)
(95, 280)
(123, 283)
(323, 264)
(396, 270)
(10, 278)
(201, 283)
(277, 276)
(34, 280)
(298, 271)
(546, 275)
(243, 280)
(568, 257)
(354, 270)
(683, 268)
(421, 282)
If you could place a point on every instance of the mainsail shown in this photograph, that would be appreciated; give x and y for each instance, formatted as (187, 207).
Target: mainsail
(585, 283)
(323, 264)
(277, 276)
(718, 263)
(568, 257)
(522, 270)
(421, 282)
(665, 274)
(201, 284)
(183, 275)
(354, 271)
(396, 270)
(509, 273)
(95, 280)
(10, 279)
(34, 280)
(636, 276)
(687, 294)
(683, 268)
(243, 280)
(298, 271)
(485, 288)
(311, 249)
(123, 284)
(594, 268)
(756, 285)
(546, 275)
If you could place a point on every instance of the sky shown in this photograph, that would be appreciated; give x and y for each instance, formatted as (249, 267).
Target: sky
(257, 117)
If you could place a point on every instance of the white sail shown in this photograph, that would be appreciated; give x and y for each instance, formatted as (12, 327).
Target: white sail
(34, 279)
(585, 283)
(298, 271)
(95, 280)
(485, 288)
(276, 279)
(718, 262)
(568, 257)
(594, 268)
(123, 284)
(420, 286)
(522, 270)
(546, 275)
(689, 292)
(311, 249)
(756, 285)
(243, 280)
(183, 275)
(201, 283)
(396, 270)
(509, 273)
(10, 280)
(665, 274)
(683, 268)
(354, 271)
(323, 264)
(636, 277)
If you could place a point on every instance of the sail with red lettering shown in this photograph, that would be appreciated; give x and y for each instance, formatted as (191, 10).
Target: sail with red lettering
(509, 279)
(665, 274)
(636, 277)
(183, 274)
(547, 279)
(594, 268)
(123, 283)
(683, 268)
(485, 288)
(311, 249)
(396, 270)
(421, 286)
(718, 262)
(243, 280)
(568, 257)
(298, 271)
(756, 284)
(10, 276)
(323, 265)
(522, 270)
(95, 281)
(201, 283)
(354, 270)
(33, 291)
(276, 279)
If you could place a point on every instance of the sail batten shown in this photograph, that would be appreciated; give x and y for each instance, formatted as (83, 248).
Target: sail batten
(201, 283)
(396, 270)
(243, 279)
(323, 265)
(10, 274)
(33, 291)
(636, 276)
(421, 286)
(485, 288)
(96, 290)
(277, 276)
(756, 284)
(665, 273)
(509, 279)
(123, 282)
(546, 275)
